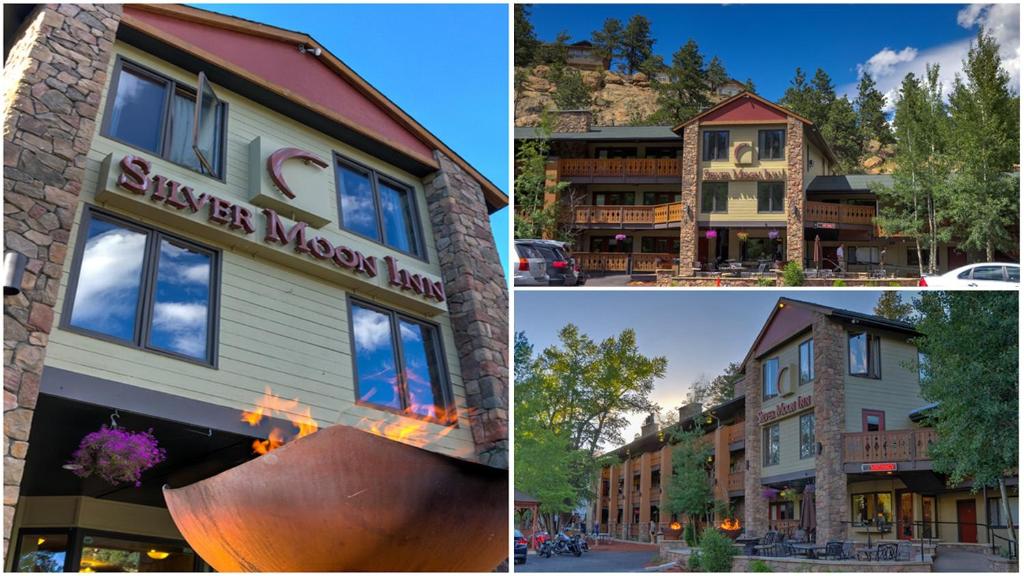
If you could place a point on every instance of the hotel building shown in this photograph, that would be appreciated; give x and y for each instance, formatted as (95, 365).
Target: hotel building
(745, 180)
(211, 208)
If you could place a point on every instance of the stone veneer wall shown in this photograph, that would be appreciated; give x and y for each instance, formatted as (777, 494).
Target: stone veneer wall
(755, 507)
(795, 190)
(832, 503)
(573, 121)
(53, 79)
(474, 284)
(688, 229)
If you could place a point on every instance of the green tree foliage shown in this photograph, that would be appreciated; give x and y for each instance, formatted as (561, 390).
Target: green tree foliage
(721, 388)
(840, 131)
(608, 40)
(525, 40)
(716, 552)
(986, 120)
(685, 94)
(716, 75)
(917, 205)
(749, 85)
(689, 490)
(534, 218)
(871, 120)
(793, 274)
(970, 342)
(637, 44)
(653, 66)
(554, 53)
(583, 391)
(834, 116)
(891, 306)
(570, 91)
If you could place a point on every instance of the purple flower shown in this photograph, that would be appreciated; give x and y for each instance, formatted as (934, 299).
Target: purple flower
(711, 234)
(117, 455)
(773, 234)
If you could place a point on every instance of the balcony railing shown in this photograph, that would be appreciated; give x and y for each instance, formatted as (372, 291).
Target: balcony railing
(735, 433)
(625, 215)
(620, 167)
(887, 445)
(623, 261)
(736, 481)
(838, 213)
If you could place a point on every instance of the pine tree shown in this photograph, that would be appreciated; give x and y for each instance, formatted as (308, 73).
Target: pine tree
(637, 44)
(554, 53)
(798, 96)
(892, 307)
(716, 74)
(840, 131)
(835, 117)
(987, 125)
(870, 117)
(570, 91)
(749, 85)
(685, 93)
(525, 40)
(608, 41)
(823, 96)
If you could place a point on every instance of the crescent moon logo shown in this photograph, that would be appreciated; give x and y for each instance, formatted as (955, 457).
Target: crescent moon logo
(279, 157)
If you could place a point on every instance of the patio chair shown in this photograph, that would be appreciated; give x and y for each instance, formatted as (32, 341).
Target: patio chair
(886, 552)
(799, 536)
(834, 551)
(768, 544)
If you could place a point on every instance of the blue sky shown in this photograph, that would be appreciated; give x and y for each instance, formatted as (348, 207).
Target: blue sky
(767, 42)
(447, 66)
(700, 332)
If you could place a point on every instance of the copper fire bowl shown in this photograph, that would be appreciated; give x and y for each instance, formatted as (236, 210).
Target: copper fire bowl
(346, 500)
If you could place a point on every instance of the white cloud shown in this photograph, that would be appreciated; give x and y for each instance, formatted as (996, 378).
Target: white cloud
(372, 329)
(108, 281)
(185, 323)
(888, 67)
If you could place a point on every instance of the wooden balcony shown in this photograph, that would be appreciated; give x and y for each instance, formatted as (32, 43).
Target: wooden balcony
(735, 433)
(887, 446)
(623, 261)
(736, 482)
(831, 213)
(620, 169)
(625, 216)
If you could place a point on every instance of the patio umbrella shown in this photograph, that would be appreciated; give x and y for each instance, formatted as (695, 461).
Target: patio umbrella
(817, 251)
(808, 518)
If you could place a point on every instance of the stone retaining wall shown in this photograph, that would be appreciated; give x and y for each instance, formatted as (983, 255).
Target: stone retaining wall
(666, 278)
(742, 564)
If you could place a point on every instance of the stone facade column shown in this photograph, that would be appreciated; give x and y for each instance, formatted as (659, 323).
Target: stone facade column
(474, 284)
(831, 500)
(613, 499)
(53, 79)
(755, 507)
(689, 236)
(795, 197)
(645, 495)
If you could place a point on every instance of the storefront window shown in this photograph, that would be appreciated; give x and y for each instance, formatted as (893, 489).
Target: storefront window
(109, 286)
(42, 552)
(807, 361)
(807, 435)
(758, 249)
(770, 378)
(139, 115)
(770, 445)
(108, 554)
(378, 208)
(865, 353)
(404, 373)
(872, 507)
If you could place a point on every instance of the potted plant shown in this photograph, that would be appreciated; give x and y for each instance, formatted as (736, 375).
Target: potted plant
(769, 493)
(116, 455)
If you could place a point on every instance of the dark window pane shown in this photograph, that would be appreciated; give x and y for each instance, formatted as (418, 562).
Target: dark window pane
(376, 375)
(109, 554)
(182, 119)
(42, 552)
(399, 226)
(107, 296)
(181, 303)
(1013, 273)
(422, 374)
(988, 273)
(358, 212)
(138, 110)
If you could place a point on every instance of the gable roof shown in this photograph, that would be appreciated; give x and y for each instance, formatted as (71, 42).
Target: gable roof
(849, 316)
(747, 94)
(607, 133)
(324, 85)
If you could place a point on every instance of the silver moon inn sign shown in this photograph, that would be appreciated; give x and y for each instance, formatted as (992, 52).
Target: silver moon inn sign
(135, 175)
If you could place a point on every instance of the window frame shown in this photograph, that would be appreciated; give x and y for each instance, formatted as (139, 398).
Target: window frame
(997, 502)
(376, 177)
(172, 86)
(810, 453)
(868, 354)
(865, 412)
(761, 138)
(800, 361)
(771, 204)
(706, 150)
(775, 379)
(147, 286)
(715, 209)
(872, 501)
(766, 440)
(394, 316)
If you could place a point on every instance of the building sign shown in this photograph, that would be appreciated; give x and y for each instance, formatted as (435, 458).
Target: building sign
(783, 409)
(136, 177)
(742, 175)
(826, 225)
(880, 467)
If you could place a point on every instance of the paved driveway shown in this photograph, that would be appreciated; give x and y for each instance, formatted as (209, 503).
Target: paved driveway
(593, 561)
(608, 280)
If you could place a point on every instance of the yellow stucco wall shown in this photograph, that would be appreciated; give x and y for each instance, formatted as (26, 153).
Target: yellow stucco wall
(279, 327)
(742, 206)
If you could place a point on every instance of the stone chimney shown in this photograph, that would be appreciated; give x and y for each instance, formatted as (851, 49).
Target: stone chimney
(650, 426)
(573, 121)
(688, 411)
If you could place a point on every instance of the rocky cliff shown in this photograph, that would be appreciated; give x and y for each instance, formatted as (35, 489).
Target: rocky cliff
(619, 99)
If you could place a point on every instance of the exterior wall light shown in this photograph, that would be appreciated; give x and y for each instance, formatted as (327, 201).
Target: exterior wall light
(818, 446)
(14, 270)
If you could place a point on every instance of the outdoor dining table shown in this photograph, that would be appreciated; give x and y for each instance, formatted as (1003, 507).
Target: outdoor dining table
(748, 543)
(810, 550)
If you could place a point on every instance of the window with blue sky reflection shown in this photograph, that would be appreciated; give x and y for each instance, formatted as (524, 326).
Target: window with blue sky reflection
(181, 301)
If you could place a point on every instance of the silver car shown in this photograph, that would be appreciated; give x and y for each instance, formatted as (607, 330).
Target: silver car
(531, 269)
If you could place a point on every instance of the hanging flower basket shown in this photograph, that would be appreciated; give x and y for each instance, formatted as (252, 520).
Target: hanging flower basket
(116, 455)
(743, 236)
(620, 237)
(769, 493)
(773, 234)
(711, 234)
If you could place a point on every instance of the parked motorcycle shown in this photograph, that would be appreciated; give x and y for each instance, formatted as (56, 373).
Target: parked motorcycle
(581, 542)
(560, 544)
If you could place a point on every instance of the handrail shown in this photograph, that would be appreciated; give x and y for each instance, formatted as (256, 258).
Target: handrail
(918, 526)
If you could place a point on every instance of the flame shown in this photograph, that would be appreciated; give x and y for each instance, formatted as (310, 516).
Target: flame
(271, 404)
(730, 524)
(675, 526)
(415, 429)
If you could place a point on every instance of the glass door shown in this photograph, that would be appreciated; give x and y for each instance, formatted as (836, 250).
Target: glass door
(929, 517)
(905, 515)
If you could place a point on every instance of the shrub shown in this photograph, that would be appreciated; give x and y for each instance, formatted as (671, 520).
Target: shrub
(793, 274)
(716, 551)
(839, 282)
(760, 566)
(766, 282)
(690, 536)
(694, 562)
